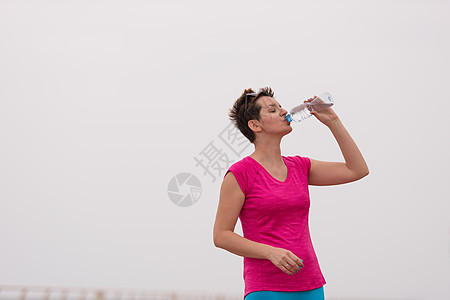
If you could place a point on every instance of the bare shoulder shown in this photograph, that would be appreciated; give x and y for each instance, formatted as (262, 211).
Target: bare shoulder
(231, 201)
(230, 187)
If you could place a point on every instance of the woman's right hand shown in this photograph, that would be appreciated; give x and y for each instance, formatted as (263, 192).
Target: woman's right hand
(285, 260)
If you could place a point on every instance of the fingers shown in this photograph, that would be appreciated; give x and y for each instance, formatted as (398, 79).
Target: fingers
(291, 265)
(299, 262)
(285, 260)
(310, 99)
(288, 270)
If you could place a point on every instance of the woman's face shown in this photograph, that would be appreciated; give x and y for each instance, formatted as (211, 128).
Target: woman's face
(272, 116)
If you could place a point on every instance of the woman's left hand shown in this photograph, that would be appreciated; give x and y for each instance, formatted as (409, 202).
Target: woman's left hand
(327, 116)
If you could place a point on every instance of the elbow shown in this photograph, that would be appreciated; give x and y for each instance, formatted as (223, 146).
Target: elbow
(217, 240)
(220, 239)
(357, 175)
(364, 173)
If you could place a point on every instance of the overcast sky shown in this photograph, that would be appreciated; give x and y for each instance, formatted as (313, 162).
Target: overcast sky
(104, 103)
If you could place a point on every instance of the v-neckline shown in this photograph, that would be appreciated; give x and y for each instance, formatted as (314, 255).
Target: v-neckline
(270, 175)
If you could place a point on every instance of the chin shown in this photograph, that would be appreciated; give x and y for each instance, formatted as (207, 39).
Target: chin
(289, 130)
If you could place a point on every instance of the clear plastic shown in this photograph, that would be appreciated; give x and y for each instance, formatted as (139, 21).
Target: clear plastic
(303, 111)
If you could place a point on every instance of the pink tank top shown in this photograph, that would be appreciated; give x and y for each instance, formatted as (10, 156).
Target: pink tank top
(276, 213)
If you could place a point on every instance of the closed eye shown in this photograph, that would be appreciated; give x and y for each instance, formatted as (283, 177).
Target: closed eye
(272, 108)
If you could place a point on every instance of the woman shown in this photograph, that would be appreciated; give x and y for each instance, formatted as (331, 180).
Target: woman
(269, 193)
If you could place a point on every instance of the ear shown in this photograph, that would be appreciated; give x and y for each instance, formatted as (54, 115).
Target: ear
(254, 125)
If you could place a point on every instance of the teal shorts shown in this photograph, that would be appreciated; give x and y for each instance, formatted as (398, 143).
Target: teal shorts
(315, 294)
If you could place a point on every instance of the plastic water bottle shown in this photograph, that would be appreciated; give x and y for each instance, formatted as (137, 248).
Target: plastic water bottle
(303, 111)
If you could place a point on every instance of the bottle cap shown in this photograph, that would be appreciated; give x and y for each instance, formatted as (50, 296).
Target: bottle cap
(288, 118)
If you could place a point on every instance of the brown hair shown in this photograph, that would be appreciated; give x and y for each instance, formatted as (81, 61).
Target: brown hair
(245, 109)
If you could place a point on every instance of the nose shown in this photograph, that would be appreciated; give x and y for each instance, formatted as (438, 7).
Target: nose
(283, 112)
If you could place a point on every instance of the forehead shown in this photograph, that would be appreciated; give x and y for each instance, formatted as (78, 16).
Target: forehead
(266, 101)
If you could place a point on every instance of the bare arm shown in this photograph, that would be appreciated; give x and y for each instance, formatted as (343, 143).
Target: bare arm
(230, 204)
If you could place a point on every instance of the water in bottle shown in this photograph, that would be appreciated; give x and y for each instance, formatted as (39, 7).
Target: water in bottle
(303, 111)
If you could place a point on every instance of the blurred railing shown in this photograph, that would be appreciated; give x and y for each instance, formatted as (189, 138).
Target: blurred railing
(17, 292)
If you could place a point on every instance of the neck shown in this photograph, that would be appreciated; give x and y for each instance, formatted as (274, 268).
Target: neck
(268, 152)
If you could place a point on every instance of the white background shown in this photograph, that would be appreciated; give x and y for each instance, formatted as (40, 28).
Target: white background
(103, 102)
